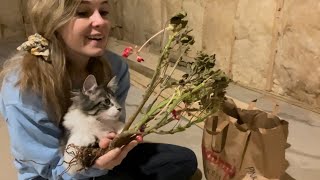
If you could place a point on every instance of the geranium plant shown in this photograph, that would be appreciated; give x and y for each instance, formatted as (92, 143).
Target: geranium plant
(197, 95)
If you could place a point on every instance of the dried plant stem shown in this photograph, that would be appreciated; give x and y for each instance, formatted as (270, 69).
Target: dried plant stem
(150, 88)
(164, 108)
(189, 124)
(174, 67)
(156, 98)
(155, 35)
(147, 117)
(166, 80)
(175, 102)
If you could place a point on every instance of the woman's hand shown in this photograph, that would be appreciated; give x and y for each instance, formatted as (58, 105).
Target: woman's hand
(114, 157)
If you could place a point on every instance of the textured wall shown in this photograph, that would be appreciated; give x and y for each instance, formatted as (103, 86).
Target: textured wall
(139, 20)
(297, 70)
(11, 24)
(267, 45)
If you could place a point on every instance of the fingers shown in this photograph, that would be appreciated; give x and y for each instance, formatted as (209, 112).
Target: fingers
(107, 161)
(104, 142)
(114, 157)
(125, 150)
(111, 135)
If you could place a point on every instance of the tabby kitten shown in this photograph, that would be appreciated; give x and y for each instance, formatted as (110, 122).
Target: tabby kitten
(93, 114)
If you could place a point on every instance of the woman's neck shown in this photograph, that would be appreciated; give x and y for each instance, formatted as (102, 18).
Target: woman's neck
(77, 68)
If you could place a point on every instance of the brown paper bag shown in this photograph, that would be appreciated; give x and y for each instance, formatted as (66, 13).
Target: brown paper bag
(244, 144)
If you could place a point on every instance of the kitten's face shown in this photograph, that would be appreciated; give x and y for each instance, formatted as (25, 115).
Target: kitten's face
(97, 101)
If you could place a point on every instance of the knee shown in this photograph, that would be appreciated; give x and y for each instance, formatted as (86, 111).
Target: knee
(190, 160)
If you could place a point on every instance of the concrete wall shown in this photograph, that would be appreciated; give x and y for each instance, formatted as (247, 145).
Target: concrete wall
(267, 45)
(11, 22)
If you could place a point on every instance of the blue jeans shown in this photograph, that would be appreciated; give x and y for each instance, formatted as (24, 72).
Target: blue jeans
(154, 161)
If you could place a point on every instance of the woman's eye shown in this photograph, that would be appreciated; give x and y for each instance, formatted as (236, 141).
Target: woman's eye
(104, 13)
(82, 14)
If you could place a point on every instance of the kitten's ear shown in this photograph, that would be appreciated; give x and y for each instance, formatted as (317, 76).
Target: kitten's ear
(113, 84)
(89, 84)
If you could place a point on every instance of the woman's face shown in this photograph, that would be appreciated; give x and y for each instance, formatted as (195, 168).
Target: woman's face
(86, 34)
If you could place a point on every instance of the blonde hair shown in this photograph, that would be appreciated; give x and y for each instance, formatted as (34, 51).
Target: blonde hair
(51, 80)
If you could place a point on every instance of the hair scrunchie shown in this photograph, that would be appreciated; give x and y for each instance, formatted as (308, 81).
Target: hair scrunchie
(37, 46)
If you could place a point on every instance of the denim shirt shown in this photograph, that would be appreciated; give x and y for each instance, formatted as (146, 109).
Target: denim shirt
(35, 138)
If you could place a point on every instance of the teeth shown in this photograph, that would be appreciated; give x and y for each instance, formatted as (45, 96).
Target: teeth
(95, 37)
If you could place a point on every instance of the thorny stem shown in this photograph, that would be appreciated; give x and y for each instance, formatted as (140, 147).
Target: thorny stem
(175, 66)
(182, 112)
(182, 128)
(179, 129)
(150, 113)
(156, 98)
(166, 80)
(163, 109)
(174, 104)
(149, 91)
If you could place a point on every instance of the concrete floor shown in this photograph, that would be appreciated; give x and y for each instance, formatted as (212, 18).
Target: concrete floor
(304, 131)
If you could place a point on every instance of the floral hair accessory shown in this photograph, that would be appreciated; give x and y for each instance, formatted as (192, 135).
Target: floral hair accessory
(36, 45)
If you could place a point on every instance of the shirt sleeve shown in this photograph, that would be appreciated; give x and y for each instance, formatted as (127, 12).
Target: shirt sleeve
(120, 69)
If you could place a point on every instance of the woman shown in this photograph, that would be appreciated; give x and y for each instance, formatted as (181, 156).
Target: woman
(69, 45)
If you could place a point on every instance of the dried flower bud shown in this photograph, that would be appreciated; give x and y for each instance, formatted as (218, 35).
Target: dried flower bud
(140, 59)
(139, 138)
(127, 52)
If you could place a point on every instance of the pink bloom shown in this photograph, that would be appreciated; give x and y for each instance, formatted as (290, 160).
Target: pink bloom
(140, 59)
(139, 138)
(127, 52)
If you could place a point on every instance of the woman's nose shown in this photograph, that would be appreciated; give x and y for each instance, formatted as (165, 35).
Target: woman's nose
(97, 19)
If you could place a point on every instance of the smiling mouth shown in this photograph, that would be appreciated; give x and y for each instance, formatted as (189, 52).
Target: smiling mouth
(96, 38)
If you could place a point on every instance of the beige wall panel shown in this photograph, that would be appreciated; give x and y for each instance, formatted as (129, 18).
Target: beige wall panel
(218, 30)
(253, 31)
(11, 25)
(297, 70)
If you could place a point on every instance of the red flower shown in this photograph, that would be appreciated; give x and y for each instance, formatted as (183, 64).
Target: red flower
(140, 59)
(139, 138)
(127, 52)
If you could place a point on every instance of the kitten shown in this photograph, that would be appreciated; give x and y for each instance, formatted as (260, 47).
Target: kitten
(93, 114)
